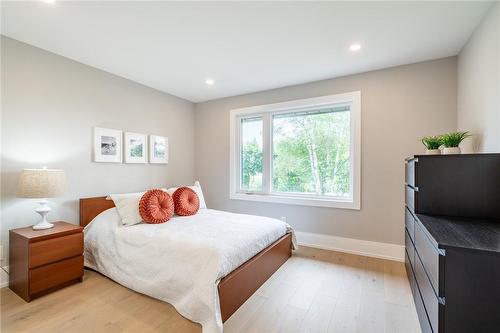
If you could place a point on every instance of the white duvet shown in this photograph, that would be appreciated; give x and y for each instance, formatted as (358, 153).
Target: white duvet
(182, 261)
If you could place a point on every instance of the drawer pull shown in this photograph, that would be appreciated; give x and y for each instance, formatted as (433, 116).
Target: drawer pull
(414, 188)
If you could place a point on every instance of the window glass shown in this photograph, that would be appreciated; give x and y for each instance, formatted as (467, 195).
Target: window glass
(311, 152)
(251, 154)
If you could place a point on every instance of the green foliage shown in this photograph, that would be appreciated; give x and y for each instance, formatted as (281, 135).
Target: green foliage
(251, 166)
(310, 155)
(453, 139)
(432, 142)
(136, 151)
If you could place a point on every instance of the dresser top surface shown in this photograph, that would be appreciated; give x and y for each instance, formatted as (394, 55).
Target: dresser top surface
(59, 229)
(476, 234)
(443, 156)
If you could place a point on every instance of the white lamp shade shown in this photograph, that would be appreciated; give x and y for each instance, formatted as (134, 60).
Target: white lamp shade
(41, 183)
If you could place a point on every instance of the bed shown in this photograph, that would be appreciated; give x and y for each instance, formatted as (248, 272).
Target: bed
(220, 258)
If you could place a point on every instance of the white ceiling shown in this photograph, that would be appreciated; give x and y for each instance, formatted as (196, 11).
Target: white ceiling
(243, 46)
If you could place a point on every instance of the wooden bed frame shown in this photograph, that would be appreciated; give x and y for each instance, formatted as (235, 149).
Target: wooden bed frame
(237, 286)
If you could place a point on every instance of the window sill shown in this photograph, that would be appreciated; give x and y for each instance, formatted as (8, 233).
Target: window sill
(294, 200)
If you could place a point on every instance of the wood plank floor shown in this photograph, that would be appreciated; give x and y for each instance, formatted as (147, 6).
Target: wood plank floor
(315, 291)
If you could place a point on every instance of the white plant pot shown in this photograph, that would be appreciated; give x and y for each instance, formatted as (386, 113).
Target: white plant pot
(432, 152)
(451, 150)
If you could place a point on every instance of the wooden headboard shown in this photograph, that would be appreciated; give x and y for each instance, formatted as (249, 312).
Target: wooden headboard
(91, 207)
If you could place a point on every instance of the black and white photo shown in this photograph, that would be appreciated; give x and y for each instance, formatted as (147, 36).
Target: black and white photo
(107, 145)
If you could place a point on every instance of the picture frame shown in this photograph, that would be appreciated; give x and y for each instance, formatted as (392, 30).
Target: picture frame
(135, 147)
(158, 149)
(107, 145)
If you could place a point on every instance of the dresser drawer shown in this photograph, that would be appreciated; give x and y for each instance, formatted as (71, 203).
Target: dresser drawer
(410, 172)
(52, 275)
(410, 198)
(425, 325)
(429, 255)
(410, 249)
(429, 297)
(410, 274)
(51, 250)
(410, 224)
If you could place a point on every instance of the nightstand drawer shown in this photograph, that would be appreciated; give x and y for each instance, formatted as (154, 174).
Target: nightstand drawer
(48, 251)
(46, 277)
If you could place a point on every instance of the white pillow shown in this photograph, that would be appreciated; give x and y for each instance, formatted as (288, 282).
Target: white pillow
(197, 188)
(127, 205)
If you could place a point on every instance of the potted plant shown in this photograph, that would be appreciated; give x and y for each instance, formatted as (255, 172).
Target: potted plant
(451, 141)
(432, 143)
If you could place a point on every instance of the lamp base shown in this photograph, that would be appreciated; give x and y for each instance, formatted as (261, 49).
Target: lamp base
(43, 210)
(43, 225)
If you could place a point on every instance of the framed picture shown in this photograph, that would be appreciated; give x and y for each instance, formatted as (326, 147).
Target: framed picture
(158, 149)
(135, 148)
(107, 145)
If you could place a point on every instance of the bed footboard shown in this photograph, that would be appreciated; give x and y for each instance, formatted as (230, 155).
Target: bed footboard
(240, 284)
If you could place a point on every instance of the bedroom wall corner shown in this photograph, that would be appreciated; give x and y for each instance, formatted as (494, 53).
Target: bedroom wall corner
(50, 105)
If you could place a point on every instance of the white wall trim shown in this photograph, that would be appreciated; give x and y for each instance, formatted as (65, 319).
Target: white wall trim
(350, 245)
(5, 274)
(265, 111)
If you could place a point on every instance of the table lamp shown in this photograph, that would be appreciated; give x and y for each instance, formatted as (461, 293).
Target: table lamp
(41, 184)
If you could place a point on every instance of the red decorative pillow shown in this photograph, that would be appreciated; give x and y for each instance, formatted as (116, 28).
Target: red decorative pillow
(156, 206)
(186, 201)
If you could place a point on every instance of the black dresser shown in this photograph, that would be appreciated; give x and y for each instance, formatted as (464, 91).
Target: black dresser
(452, 240)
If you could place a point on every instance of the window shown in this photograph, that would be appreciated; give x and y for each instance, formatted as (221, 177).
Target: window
(251, 154)
(303, 152)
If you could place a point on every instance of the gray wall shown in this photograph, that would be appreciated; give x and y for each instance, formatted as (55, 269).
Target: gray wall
(399, 105)
(479, 85)
(50, 105)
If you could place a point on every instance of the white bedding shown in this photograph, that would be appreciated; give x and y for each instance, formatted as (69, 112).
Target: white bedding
(182, 261)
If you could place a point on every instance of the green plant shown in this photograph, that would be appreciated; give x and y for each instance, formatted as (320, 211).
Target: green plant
(453, 139)
(432, 142)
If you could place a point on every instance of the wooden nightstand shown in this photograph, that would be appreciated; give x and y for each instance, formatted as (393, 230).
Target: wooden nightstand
(41, 261)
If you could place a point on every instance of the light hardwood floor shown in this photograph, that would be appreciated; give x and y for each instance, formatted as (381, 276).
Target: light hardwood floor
(315, 291)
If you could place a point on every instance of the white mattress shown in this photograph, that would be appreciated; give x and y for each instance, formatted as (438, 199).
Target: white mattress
(182, 261)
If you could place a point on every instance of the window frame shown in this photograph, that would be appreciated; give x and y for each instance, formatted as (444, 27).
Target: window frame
(239, 148)
(266, 112)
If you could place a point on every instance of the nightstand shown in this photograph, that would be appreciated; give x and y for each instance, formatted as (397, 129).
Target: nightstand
(41, 261)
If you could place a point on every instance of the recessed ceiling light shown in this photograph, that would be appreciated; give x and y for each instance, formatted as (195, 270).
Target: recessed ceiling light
(48, 1)
(209, 82)
(355, 47)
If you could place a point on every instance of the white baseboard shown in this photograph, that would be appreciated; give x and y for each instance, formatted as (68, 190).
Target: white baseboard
(350, 245)
(4, 280)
